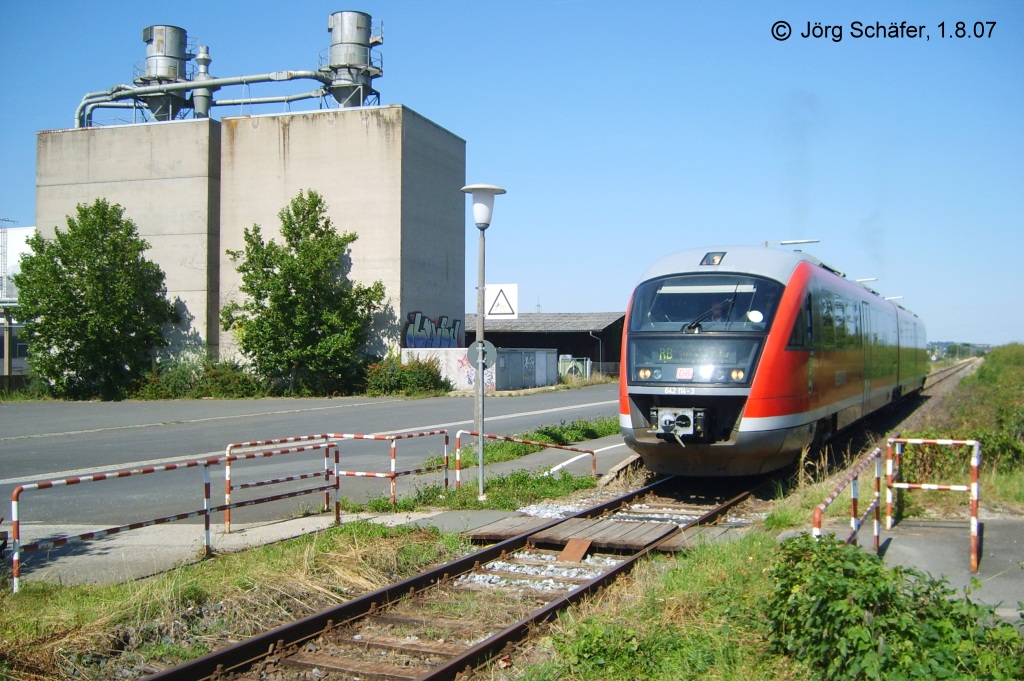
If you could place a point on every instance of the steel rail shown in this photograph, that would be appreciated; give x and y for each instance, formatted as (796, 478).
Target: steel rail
(486, 650)
(948, 372)
(240, 655)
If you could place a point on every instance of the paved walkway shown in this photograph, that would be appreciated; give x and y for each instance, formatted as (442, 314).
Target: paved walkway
(146, 551)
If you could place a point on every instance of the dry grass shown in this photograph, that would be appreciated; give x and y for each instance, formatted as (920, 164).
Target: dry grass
(87, 632)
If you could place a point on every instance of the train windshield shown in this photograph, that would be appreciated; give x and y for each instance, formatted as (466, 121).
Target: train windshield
(695, 303)
(700, 328)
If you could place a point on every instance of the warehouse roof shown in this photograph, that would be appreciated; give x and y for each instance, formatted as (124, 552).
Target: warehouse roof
(549, 322)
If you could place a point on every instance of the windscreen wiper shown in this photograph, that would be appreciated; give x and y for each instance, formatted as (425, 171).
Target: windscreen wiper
(694, 326)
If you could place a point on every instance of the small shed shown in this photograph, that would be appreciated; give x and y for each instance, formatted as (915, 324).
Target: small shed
(596, 336)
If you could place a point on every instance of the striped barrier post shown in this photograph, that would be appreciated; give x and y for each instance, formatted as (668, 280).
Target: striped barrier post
(893, 474)
(877, 524)
(393, 472)
(893, 459)
(458, 458)
(230, 449)
(851, 480)
(18, 548)
(326, 474)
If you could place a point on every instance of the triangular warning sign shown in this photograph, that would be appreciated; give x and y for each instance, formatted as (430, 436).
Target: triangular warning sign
(501, 301)
(501, 307)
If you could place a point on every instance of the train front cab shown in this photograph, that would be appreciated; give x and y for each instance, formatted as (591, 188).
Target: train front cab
(691, 347)
(830, 353)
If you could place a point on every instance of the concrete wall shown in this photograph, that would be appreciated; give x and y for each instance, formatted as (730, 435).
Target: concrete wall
(515, 368)
(454, 365)
(386, 173)
(193, 187)
(167, 178)
(433, 231)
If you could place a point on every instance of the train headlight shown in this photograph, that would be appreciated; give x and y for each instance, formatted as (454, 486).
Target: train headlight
(706, 372)
(738, 375)
(657, 374)
(644, 374)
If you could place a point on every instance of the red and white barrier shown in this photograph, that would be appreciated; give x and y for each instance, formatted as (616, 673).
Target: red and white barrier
(393, 473)
(99, 477)
(232, 453)
(851, 480)
(893, 470)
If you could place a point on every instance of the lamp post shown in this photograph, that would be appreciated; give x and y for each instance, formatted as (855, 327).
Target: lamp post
(483, 206)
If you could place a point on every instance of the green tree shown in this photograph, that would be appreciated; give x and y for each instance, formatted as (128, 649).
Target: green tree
(303, 320)
(93, 306)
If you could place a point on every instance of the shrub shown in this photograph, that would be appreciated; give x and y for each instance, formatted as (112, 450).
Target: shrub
(193, 376)
(228, 379)
(416, 377)
(847, 616)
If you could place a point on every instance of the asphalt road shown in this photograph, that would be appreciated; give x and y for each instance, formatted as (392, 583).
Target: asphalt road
(57, 440)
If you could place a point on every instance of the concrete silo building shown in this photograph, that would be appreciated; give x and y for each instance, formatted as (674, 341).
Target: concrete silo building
(193, 185)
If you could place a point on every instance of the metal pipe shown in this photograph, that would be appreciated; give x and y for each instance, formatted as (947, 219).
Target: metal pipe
(111, 105)
(119, 92)
(322, 92)
(600, 350)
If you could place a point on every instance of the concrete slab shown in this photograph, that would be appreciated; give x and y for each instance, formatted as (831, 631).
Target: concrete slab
(942, 548)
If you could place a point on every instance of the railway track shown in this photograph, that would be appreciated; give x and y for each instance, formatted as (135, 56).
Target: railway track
(953, 370)
(451, 620)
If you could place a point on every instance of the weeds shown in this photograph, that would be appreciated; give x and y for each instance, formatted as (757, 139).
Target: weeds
(694, 617)
(990, 409)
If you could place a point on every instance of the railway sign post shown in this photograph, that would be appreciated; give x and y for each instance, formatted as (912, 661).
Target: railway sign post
(490, 354)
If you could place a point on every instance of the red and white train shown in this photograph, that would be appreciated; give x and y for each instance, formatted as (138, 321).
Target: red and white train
(736, 358)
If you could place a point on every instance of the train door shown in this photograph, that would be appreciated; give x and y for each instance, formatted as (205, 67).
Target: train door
(866, 331)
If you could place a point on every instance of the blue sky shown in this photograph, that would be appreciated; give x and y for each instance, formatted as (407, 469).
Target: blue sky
(624, 131)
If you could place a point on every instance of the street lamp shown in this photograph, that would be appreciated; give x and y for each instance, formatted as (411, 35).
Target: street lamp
(483, 207)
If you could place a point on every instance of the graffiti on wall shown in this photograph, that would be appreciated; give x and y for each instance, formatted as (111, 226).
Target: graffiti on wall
(468, 370)
(423, 332)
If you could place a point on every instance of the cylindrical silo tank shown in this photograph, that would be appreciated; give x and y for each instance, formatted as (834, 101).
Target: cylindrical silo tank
(350, 61)
(166, 52)
(166, 62)
(350, 39)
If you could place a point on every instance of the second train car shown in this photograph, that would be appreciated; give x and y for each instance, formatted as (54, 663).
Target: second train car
(736, 358)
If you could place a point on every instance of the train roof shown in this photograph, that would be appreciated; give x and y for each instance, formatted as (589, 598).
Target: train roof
(773, 263)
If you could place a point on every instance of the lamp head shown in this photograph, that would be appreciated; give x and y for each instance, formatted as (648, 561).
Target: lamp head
(483, 202)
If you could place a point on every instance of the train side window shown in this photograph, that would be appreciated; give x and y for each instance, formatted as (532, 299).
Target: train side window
(839, 319)
(802, 334)
(828, 331)
(853, 338)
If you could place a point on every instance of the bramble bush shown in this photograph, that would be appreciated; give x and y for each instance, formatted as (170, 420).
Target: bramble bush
(847, 616)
